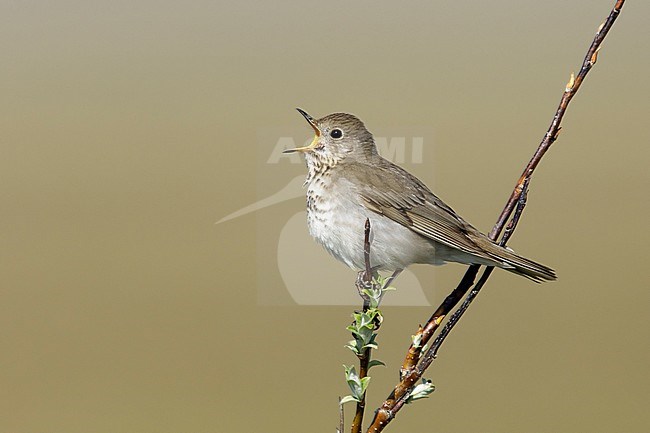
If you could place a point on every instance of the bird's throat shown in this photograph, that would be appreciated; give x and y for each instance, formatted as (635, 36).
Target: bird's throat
(317, 166)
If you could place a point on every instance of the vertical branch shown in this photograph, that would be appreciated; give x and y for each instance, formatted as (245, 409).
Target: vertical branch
(341, 418)
(366, 251)
(364, 281)
(357, 422)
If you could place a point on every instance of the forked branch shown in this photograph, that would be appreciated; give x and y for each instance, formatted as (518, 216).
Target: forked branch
(416, 363)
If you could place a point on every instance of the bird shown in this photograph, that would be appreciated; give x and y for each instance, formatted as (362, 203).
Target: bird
(348, 182)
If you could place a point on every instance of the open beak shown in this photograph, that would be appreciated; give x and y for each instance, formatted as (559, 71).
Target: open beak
(314, 143)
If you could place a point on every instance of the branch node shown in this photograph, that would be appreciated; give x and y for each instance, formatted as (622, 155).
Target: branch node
(569, 85)
(557, 133)
(594, 57)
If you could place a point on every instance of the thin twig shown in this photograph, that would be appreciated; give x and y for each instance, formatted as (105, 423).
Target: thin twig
(411, 372)
(521, 204)
(554, 129)
(424, 333)
(366, 251)
(364, 356)
(341, 418)
(432, 353)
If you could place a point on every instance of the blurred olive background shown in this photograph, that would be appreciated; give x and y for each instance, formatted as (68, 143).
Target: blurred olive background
(129, 128)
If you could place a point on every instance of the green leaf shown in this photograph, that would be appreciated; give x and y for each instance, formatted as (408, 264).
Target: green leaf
(364, 384)
(350, 371)
(374, 363)
(422, 390)
(354, 383)
(417, 339)
(352, 345)
(347, 399)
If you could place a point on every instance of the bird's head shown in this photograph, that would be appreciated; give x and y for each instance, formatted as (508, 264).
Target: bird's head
(338, 136)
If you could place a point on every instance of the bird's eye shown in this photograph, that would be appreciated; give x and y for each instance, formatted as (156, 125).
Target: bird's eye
(336, 133)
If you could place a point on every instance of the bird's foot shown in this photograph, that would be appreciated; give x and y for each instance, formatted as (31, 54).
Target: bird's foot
(363, 283)
(390, 279)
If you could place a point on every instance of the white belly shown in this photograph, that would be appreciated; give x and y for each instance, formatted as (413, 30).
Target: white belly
(337, 222)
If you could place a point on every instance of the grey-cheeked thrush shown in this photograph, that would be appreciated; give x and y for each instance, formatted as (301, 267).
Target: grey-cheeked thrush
(348, 182)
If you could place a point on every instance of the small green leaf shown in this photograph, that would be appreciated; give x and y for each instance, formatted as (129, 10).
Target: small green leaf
(354, 382)
(422, 390)
(353, 346)
(374, 363)
(350, 371)
(417, 339)
(364, 385)
(347, 399)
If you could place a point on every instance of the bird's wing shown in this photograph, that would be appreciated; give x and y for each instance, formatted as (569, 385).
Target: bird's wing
(398, 195)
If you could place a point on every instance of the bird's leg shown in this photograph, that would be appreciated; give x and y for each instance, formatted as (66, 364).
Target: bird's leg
(362, 284)
(388, 282)
(365, 281)
(390, 279)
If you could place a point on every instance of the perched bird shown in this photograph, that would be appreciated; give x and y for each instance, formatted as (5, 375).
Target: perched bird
(348, 182)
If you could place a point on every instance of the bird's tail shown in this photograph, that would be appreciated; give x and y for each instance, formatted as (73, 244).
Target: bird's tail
(519, 265)
(510, 261)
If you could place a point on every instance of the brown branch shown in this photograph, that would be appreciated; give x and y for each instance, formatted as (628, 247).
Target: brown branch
(554, 129)
(363, 281)
(431, 354)
(415, 364)
(366, 251)
(357, 422)
(424, 333)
